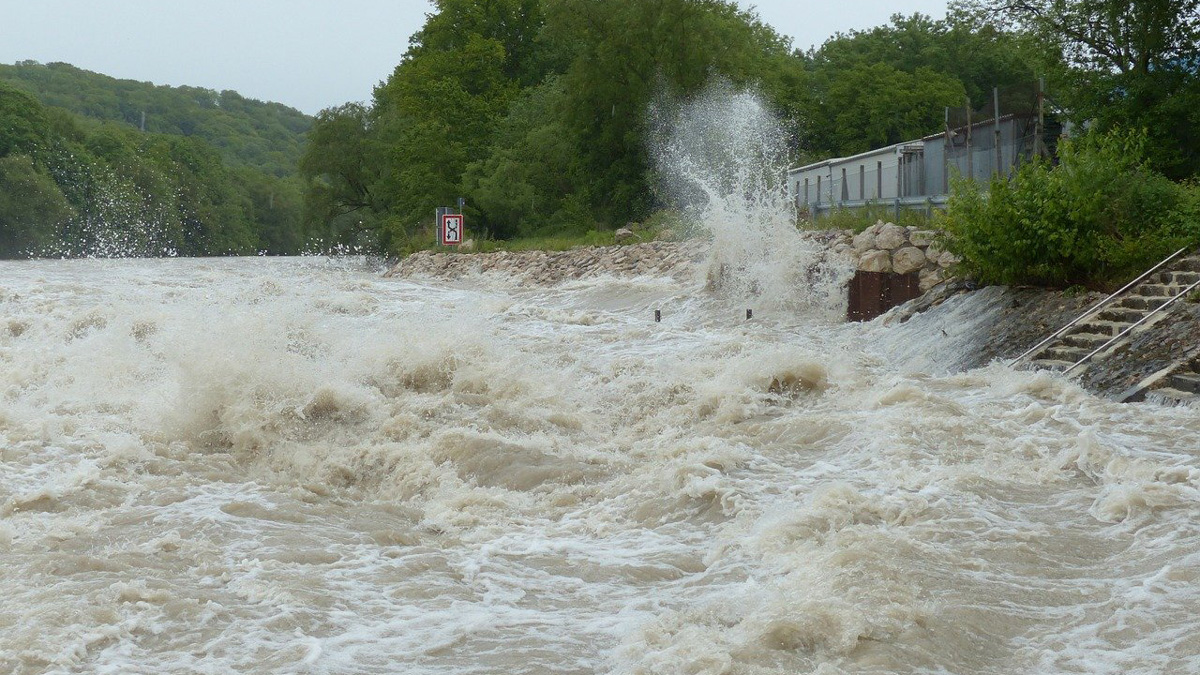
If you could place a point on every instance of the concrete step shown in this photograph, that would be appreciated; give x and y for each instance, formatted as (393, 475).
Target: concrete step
(1061, 352)
(1051, 364)
(1157, 289)
(1186, 381)
(1088, 341)
(1142, 302)
(1172, 396)
(1172, 278)
(1099, 327)
(1189, 264)
(1182, 278)
(1121, 314)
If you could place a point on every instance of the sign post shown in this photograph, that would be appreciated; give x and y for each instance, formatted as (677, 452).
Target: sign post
(450, 229)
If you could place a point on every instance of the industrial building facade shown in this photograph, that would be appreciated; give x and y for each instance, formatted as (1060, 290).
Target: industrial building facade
(919, 172)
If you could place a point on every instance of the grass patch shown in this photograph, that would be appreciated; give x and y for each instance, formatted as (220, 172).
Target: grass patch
(858, 219)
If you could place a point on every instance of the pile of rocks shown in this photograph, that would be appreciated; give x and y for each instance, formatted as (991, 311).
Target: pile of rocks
(656, 258)
(886, 247)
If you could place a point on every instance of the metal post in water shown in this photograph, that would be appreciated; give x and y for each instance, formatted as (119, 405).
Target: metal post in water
(749, 314)
(657, 315)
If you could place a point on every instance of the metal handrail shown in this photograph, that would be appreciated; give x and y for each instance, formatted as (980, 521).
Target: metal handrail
(1096, 307)
(1129, 329)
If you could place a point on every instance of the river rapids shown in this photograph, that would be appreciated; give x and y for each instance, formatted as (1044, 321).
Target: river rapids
(297, 466)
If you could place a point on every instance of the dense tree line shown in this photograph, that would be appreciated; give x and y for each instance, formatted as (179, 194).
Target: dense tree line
(250, 133)
(72, 186)
(536, 110)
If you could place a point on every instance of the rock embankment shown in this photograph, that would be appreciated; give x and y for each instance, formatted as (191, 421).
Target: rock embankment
(656, 258)
(886, 247)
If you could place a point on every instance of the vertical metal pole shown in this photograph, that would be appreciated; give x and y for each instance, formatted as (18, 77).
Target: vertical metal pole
(970, 159)
(1038, 141)
(996, 124)
(946, 154)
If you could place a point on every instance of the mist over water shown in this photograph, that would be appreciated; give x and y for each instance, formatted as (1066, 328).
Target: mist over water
(296, 466)
(722, 160)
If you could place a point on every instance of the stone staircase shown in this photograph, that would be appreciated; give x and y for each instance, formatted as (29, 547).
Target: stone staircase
(1133, 306)
(1179, 387)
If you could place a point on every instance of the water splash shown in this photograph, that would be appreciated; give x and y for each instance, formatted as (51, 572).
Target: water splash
(722, 160)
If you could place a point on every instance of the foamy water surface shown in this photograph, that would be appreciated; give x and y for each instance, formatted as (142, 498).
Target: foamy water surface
(295, 466)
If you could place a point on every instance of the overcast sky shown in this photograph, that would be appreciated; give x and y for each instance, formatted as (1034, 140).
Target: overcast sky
(310, 54)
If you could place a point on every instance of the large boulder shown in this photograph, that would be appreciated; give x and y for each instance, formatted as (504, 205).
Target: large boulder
(921, 238)
(875, 261)
(907, 259)
(624, 234)
(948, 259)
(890, 237)
(863, 241)
(928, 278)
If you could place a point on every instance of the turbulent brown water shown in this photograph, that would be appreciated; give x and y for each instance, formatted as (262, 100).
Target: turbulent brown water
(295, 466)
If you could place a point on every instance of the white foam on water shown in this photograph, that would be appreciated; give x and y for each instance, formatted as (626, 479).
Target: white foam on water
(267, 465)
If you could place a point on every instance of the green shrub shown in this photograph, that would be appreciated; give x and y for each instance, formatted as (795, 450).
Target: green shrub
(1096, 218)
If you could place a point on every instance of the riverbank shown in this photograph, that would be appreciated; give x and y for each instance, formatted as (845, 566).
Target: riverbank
(1004, 321)
(657, 258)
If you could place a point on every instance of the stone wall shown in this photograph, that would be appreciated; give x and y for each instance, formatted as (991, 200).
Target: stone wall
(656, 258)
(883, 247)
(886, 247)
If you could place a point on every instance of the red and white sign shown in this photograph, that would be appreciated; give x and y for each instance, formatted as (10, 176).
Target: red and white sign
(451, 229)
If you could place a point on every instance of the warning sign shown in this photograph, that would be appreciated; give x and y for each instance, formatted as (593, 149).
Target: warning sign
(451, 229)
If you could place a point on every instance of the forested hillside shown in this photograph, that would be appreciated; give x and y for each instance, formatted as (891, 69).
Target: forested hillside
(265, 136)
(74, 186)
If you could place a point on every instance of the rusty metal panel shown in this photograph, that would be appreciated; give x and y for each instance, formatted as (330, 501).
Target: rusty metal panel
(873, 293)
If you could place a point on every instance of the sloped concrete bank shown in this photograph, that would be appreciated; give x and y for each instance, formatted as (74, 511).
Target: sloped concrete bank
(1000, 323)
(970, 328)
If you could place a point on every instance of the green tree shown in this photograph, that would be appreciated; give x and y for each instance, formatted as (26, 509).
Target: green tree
(31, 207)
(529, 181)
(438, 110)
(628, 52)
(1126, 63)
(877, 105)
(870, 88)
(22, 122)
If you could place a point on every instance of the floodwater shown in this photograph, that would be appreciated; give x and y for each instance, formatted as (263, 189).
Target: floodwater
(296, 466)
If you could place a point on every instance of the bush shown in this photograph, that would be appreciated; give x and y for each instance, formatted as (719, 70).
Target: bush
(1097, 218)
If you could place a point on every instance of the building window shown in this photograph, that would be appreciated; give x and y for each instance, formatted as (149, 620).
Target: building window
(818, 189)
(862, 181)
(805, 190)
(879, 180)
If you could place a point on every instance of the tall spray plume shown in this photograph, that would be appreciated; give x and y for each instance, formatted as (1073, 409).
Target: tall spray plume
(722, 159)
